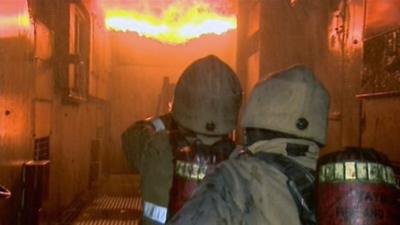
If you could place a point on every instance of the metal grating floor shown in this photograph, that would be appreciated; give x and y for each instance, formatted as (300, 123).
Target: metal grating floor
(107, 222)
(116, 202)
(111, 208)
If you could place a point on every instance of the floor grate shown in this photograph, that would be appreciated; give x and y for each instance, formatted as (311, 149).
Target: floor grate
(108, 222)
(116, 202)
(111, 210)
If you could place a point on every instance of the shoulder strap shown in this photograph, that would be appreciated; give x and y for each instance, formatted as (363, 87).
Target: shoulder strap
(300, 183)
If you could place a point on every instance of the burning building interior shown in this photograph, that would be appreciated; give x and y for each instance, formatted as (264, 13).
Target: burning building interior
(75, 74)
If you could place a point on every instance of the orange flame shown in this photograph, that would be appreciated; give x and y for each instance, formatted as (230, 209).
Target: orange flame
(14, 18)
(178, 24)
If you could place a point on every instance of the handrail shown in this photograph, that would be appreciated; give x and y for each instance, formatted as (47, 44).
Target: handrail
(4, 192)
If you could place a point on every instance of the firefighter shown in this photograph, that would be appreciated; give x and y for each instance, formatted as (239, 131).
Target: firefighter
(270, 180)
(174, 152)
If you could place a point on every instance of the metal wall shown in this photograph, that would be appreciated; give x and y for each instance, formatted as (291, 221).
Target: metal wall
(15, 118)
(34, 104)
(328, 36)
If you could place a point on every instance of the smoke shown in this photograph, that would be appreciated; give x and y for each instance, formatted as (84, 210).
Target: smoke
(12, 7)
(382, 16)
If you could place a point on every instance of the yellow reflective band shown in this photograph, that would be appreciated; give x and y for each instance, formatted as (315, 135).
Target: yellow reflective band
(354, 171)
(189, 170)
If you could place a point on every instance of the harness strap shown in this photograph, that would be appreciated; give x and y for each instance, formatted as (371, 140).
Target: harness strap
(300, 183)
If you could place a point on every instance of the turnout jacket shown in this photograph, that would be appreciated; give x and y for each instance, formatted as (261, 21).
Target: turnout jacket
(148, 150)
(245, 190)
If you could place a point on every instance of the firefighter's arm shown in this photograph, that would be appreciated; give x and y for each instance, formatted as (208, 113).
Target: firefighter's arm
(135, 138)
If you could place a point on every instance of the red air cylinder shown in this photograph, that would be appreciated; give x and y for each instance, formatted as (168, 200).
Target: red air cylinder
(191, 164)
(190, 167)
(358, 187)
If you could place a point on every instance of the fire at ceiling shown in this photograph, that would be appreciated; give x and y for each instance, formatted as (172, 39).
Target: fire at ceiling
(14, 18)
(171, 22)
(168, 21)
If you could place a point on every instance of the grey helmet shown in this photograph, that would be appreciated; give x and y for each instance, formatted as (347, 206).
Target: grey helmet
(207, 97)
(291, 101)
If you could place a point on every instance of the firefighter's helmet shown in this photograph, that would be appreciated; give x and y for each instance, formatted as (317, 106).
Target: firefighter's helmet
(207, 97)
(291, 101)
